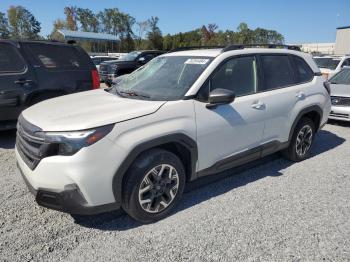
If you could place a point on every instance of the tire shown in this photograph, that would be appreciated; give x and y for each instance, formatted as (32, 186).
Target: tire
(297, 151)
(149, 194)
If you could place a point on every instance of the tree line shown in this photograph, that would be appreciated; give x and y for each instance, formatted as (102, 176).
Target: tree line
(19, 23)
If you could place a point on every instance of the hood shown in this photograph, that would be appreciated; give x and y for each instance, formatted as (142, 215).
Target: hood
(87, 110)
(340, 90)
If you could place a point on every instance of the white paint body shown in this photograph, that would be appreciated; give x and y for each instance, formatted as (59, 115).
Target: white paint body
(221, 132)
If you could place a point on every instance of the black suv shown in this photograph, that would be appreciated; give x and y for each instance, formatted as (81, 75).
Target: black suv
(110, 70)
(32, 71)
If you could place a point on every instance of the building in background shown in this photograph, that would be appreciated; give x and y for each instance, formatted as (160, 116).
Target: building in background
(342, 43)
(341, 46)
(318, 48)
(92, 42)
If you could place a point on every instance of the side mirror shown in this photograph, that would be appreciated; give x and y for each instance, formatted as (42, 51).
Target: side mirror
(142, 60)
(220, 96)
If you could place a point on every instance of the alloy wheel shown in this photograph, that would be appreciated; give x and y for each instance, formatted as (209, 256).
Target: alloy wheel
(158, 188)
(304, 140)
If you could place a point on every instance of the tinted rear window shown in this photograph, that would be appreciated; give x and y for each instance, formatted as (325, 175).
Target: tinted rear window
(277, 71)
(10, 60)
(303, 71)
(56, 57)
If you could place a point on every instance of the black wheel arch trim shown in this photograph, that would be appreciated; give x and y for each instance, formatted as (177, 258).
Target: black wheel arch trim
(302, 113)
(180, 138)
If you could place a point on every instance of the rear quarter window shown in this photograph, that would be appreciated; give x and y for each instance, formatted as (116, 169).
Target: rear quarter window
(303, 71)
(58, 57)
(277, 72)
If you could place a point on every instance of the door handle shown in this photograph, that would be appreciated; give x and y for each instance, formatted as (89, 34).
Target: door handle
(258, 105)
(23, 81)
(300, 95)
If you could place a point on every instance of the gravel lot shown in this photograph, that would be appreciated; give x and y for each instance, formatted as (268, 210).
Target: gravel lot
(276, 211)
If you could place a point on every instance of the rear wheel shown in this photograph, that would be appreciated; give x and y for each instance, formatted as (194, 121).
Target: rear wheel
(301, 142)
(153, 186)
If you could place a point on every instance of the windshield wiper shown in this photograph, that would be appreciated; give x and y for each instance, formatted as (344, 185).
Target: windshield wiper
(133, 93)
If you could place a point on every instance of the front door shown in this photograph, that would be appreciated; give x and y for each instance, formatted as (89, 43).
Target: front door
(233, 129)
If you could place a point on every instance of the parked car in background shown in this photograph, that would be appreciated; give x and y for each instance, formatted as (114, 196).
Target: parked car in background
(99, 59)
(184, 115)
(33, 71)
(330, 65)
(340, 95)
(110, 70)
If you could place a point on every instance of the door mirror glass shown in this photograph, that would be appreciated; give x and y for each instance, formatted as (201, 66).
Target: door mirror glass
(220, 96)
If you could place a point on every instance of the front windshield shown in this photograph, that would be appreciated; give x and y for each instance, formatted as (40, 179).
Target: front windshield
(130, 56)
(327, 62)
(342, 78)
(164, 78)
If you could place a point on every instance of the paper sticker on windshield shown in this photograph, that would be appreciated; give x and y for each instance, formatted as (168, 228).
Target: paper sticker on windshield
(196, 61)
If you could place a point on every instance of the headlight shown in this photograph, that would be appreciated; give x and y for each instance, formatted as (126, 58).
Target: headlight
(68, 143)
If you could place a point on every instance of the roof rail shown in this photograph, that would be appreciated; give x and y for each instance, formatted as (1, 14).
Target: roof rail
(242, 46)
(195, 47)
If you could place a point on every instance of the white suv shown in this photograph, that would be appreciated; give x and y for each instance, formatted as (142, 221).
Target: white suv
(184, 115)
(331, 65)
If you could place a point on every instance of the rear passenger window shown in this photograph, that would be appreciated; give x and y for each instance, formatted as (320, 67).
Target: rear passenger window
(56, 56)
(303, 71)
(277, 71)
(238, 75)
(10, 60)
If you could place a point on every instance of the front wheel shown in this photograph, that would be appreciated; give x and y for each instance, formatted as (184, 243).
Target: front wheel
(301, 142)
(153, 186)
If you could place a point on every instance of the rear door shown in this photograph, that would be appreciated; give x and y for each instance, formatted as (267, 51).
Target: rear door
(284, 91)
(16, 80)
(61, 68)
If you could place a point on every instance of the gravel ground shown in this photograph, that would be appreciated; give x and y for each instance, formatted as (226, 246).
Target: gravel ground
(276, 211)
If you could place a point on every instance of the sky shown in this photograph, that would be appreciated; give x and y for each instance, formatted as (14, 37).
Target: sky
(300, 21)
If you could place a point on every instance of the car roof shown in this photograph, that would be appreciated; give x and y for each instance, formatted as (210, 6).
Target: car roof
(110, 61)
(196, 52)
(217, 51)
(102, 56)
(149, 51)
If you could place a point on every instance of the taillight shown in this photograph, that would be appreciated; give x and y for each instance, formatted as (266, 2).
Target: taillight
(327, 85)
(95, 79)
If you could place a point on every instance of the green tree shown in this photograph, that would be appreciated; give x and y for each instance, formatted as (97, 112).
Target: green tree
(4, 26)
(87, 19)
(23, 24)
(154, 36)
(71, 17)
(141, 29)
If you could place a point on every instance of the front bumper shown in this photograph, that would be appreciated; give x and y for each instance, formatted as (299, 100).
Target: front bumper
(77, 184)
(69, 201)
(341, 113)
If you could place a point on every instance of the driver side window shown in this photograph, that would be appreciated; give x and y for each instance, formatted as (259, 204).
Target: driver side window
(237, 74)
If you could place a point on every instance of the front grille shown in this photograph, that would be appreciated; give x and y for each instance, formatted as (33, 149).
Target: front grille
(340, 101)
(30, 143)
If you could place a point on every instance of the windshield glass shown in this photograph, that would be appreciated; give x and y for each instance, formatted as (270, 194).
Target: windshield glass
(130, 56)
(327, 62)
(342, 78)
(164, 78)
